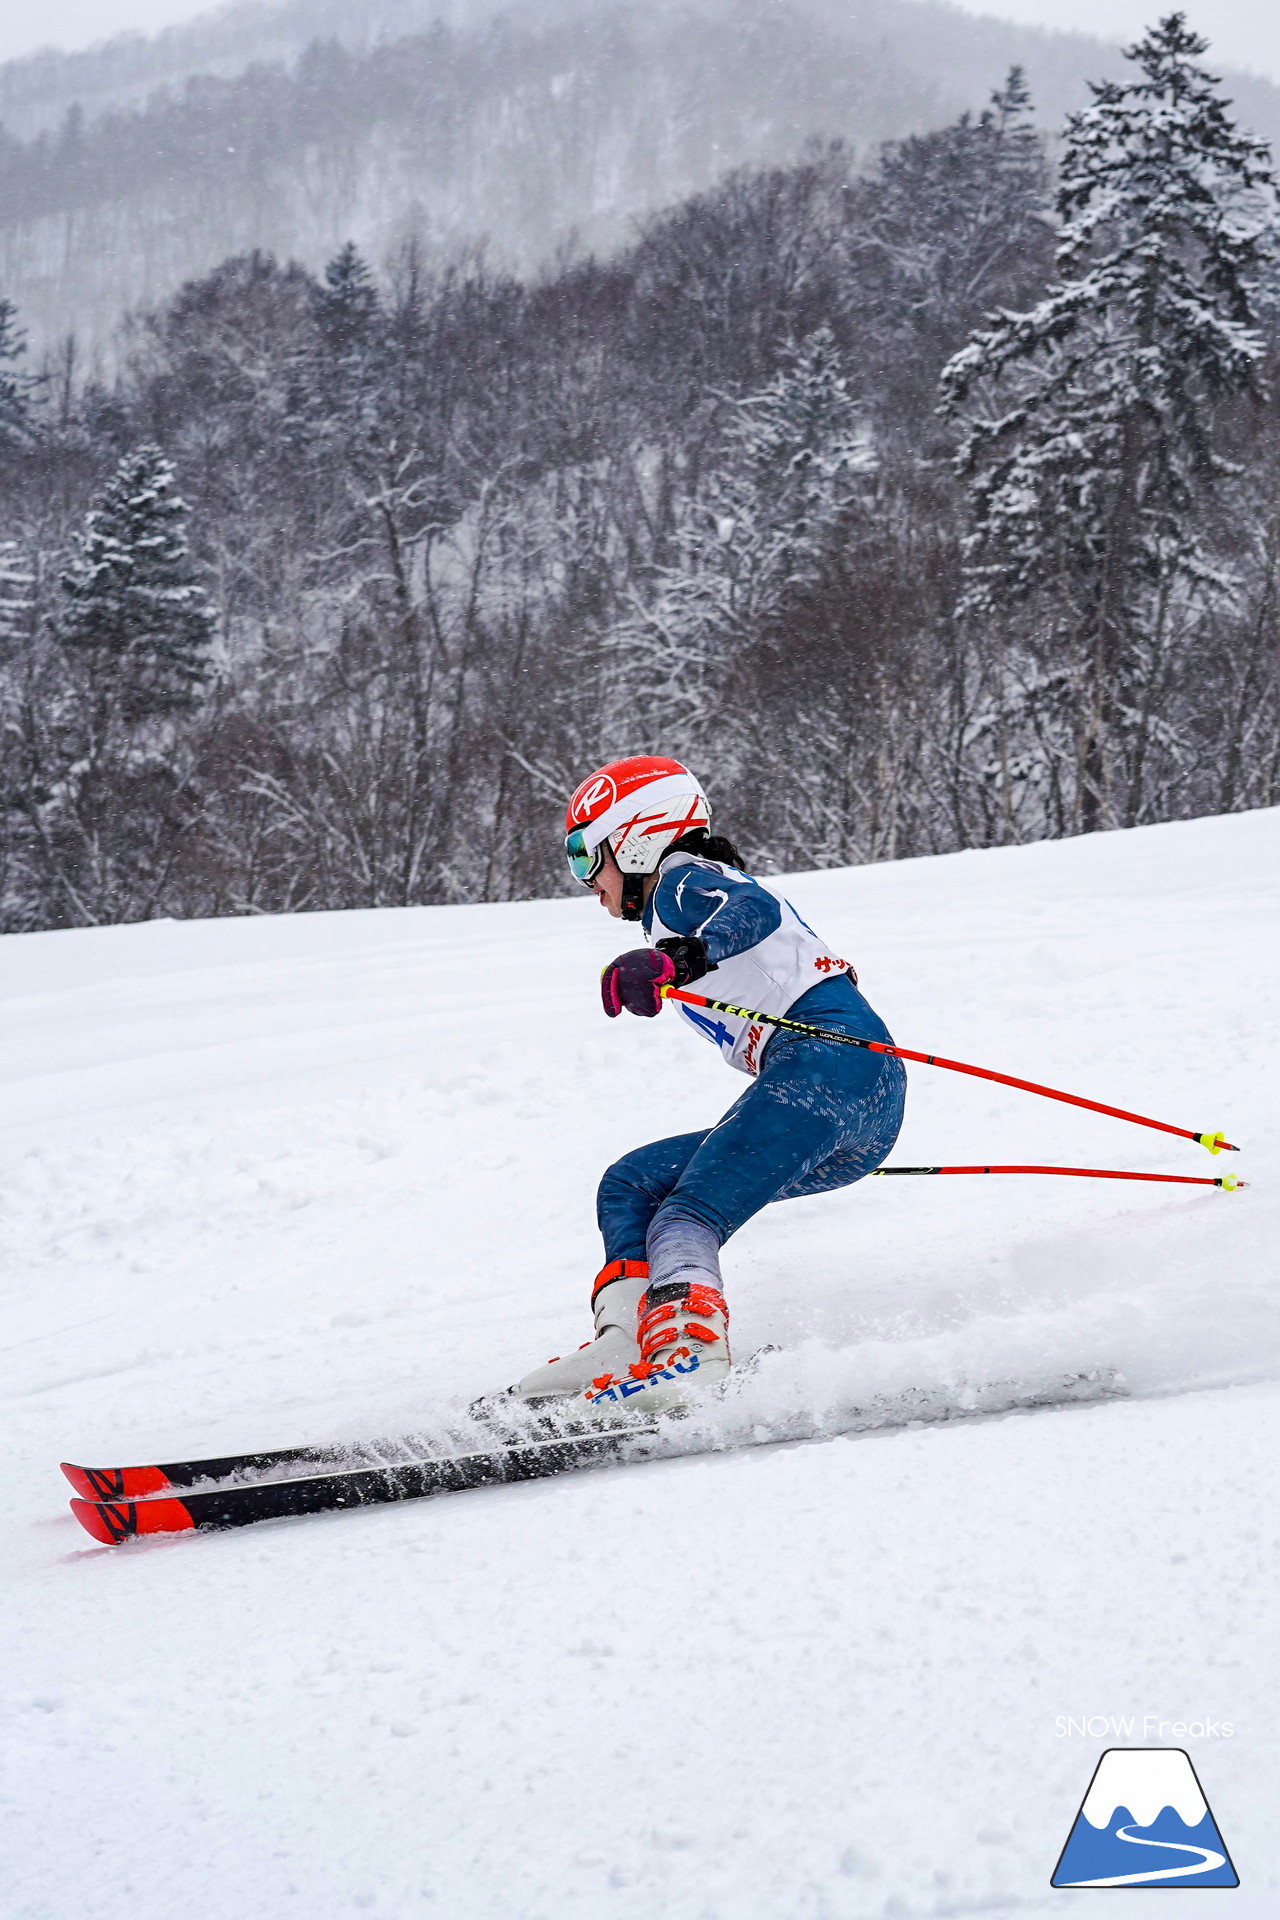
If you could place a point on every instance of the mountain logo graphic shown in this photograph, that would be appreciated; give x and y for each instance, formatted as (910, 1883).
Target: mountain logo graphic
(1144, 1823)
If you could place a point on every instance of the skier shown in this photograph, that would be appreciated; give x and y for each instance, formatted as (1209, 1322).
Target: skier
(817, 1116)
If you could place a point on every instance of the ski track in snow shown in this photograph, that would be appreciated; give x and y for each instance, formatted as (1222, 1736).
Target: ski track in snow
(271, 1181)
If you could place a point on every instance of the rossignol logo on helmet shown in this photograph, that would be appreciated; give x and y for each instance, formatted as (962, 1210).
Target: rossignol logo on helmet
(593, 796)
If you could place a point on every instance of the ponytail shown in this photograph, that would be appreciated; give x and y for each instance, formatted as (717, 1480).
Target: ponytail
(707, 846)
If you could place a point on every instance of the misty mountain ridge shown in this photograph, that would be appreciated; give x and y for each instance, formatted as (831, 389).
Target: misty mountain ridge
(130, 168)
(37, 89)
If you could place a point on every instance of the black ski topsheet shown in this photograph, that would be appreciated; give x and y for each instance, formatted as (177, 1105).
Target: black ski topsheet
(113, 1521)
(131, 1483)
(176, 1476)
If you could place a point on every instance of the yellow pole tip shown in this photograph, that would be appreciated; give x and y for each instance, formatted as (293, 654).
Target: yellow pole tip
(1230, 1184)
(1214, 1141)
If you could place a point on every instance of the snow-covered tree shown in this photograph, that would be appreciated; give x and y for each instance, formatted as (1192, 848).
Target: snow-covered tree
(16, 582)
(756, 538)
(109, 740)
(950, 224)
(759, 592)
(347, 305)
(15, 387)
(133, 605)
(1090, 422)
(342, 375)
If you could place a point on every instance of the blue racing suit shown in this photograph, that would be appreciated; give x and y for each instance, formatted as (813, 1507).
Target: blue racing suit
(816, 1117)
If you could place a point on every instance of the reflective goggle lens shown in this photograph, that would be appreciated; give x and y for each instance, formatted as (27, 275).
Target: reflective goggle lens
(584, 862)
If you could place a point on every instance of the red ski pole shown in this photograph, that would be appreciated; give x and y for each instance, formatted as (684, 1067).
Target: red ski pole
(1213, 1141)
(1226, 1181)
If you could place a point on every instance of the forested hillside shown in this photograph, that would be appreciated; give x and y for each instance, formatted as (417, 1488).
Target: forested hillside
(529, 128)
(334, 593)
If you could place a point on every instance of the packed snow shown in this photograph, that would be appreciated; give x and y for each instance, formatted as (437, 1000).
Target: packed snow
(270, 1181)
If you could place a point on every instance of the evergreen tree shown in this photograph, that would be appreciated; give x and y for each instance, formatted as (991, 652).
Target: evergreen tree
(346, 306)
(1092, 442)
(133, 604)
(770, 514)
(794, 455)
(950, 225)
(15, 387)
(16, 582)
(761, 585)
(344, 375)
(335, 404)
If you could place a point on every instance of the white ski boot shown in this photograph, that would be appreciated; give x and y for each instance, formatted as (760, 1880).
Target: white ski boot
(683, 1336)
(614, 1354)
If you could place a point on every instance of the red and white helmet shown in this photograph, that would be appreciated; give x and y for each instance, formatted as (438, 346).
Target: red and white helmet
(637, 807)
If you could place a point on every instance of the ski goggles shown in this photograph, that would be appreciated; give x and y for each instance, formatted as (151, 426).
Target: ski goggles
(584, 862)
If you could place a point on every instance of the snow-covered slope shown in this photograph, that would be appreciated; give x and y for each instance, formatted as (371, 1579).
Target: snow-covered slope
(266, 1181)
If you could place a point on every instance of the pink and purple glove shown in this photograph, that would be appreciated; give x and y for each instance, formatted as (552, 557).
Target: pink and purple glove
(635, 981)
